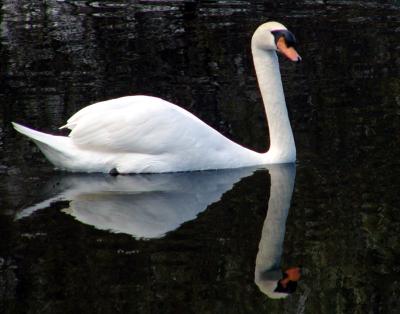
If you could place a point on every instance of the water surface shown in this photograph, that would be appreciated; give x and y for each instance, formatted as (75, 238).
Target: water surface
(343, 100)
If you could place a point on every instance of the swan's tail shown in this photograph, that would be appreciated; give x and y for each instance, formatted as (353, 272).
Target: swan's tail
(33, 134)
(57, 149)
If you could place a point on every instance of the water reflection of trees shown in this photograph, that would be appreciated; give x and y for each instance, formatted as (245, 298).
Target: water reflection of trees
(59, 56)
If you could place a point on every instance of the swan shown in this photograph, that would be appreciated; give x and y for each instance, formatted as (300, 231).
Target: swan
(144, 134)
(148, 206)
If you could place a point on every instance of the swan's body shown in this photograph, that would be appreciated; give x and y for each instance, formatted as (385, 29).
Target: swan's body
(137, 134)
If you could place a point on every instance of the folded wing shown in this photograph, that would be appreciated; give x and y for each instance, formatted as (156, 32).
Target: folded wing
(143, 125)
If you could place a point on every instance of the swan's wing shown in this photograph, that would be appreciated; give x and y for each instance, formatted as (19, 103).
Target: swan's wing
(141, 124)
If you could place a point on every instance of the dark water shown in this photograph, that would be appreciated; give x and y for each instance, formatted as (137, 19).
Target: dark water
(188, 243)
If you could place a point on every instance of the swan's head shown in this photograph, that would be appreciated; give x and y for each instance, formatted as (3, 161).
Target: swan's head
(275, 36)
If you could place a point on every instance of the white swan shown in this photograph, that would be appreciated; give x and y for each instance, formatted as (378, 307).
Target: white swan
(137, 134)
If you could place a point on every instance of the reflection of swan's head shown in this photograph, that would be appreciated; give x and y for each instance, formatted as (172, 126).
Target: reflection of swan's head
(276, 37)
(277, 284)
(288, 284)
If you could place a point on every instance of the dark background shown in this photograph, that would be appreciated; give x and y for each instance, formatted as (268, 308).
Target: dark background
(344, 106)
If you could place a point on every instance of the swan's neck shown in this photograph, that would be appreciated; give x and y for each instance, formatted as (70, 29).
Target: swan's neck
(282, 148)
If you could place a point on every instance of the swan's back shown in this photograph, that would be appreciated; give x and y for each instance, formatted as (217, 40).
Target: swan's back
(142, 125)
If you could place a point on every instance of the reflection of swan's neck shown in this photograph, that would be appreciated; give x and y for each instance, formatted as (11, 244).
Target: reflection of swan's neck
(269, 254)
(282, 147)
(273, 233)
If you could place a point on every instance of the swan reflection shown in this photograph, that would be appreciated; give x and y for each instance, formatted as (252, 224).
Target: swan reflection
(269, 277)
(144, 206)
(149, 206)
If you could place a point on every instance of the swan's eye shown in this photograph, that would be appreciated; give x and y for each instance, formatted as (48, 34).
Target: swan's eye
(290, 39)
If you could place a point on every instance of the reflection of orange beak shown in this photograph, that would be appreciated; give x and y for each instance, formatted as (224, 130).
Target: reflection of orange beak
(294, 273)
(289, 52)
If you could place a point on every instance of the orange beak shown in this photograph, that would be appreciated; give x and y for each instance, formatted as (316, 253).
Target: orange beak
(288, 52)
